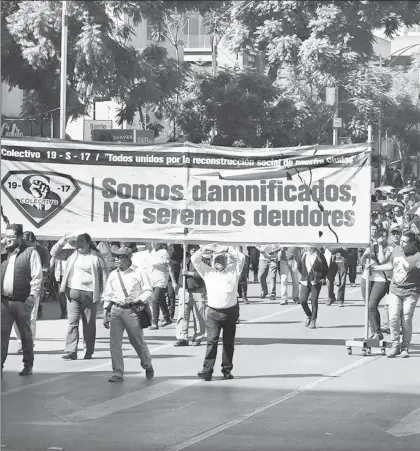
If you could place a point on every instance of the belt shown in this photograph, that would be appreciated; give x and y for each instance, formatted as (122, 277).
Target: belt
(128, 306)
(221, 310)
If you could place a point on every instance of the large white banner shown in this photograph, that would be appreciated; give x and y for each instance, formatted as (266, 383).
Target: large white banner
(187, 192)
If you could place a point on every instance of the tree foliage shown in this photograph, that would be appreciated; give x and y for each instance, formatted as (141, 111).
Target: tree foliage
(326, 38)
(234, 106)
(101, 60)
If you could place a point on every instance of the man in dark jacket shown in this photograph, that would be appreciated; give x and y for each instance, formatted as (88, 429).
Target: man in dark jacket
(339, 264)
(21, 280)
(194, 302)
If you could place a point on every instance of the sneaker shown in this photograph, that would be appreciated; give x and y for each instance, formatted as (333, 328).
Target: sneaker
(272, 297)
(404, 353)
(312, 324)
(307, 322)
(165, 323)
(227, 374)
(196, 343)
(154, 327)
(69, 356)
(330, 301)
(181, 343)
(150, 372)
(27, 370)
(377, 336)
(115, 378)
(246, 301)
(341, 304)
(385, 330)
(204, 375)
(263, 295)
(353, 285)
(284, 302)
(297, 300)
(394, 351)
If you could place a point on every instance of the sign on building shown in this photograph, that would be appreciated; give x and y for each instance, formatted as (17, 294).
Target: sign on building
(89, 125)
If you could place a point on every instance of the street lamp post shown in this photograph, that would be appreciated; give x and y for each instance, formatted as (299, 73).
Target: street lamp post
(63, 73)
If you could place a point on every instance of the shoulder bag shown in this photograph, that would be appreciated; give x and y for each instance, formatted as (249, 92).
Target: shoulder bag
(141, 309)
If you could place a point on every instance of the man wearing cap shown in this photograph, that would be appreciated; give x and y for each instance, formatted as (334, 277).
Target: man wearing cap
(221, 279)
(126, 288)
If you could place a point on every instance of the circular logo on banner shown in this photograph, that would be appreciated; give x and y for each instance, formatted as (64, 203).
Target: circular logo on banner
(39, 196)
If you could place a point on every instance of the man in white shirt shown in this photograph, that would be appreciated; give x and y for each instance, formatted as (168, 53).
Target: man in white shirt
(221, 279)
(126, 288)
(21, 281)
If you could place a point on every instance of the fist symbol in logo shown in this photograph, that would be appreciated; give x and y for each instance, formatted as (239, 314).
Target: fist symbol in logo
(39, 189)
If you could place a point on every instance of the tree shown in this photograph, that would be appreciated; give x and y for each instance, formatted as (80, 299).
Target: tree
(325, 38)
(235, 106)
(101, 60)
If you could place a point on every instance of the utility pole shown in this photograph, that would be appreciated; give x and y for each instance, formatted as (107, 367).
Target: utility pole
(335, 135)
(380, 135)
(63, 74)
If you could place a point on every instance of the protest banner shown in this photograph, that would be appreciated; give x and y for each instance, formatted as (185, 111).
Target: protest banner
(295, 196)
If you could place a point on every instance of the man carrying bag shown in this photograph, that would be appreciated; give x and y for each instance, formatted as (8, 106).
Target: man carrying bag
(126, 297)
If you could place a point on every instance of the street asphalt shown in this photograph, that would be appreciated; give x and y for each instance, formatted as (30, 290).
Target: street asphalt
(294, 389)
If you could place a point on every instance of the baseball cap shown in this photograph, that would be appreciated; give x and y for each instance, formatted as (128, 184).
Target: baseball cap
(115, 250)
(395, 228)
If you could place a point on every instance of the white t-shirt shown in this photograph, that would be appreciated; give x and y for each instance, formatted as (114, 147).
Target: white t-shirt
(158, 264)
(80, 277)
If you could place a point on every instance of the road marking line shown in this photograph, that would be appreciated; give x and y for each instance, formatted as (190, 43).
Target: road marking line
(101, 365)
(64, 376)
(129, 400)
(409, 425)
(239, 419)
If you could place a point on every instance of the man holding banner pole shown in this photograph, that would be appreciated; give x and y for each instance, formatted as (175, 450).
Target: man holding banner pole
(221, 279)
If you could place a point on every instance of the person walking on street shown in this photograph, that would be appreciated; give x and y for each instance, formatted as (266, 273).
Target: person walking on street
(268, 264)
(288, 263)
(30, 240)
(404, 292)
(221, 279)
(194, 303)
(83, 283)
(314, 269)
(379, 252)
(175, 262)
(338, 265)
(352, 255)
(21, 281)
(254, 258)
(243, 280)
(127, 287)
(159, 273)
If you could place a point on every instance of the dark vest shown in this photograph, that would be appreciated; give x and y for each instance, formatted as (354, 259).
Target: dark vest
(22, 279)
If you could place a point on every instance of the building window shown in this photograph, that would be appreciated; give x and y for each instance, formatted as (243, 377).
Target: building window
(196, 34)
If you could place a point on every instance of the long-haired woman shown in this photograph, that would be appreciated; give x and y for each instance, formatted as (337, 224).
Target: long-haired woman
(313, 268)
(380, 252)
(83, 282)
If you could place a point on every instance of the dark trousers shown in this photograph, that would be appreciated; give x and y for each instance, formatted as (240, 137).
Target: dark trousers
(377, 292)
(19, 312)
(176, 268)
(80, 304)
(352, 271)
(342, 270)
(314, 291)
(243, 289)
(218, 320)
(159, 303)
(254, 260)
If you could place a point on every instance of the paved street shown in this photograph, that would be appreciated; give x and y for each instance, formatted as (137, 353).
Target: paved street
(294, 389)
